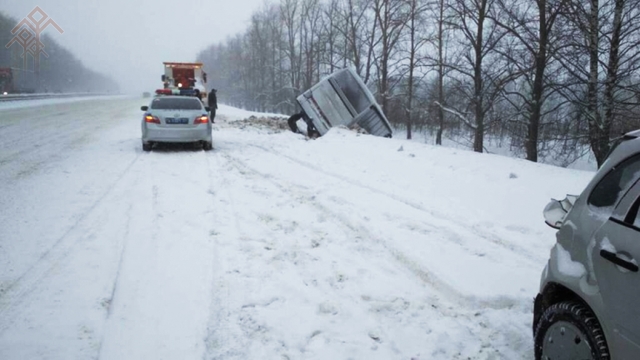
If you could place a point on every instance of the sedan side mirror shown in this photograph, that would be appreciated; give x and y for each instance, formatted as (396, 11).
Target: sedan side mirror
(556, 211)
(208, 109)
(144, 108)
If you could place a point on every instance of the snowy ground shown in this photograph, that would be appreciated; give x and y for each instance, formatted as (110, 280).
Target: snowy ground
(268, 247)
(582, 160)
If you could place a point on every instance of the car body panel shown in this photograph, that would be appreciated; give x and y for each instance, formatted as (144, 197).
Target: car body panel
(620, 287)
(153, 133)
(595, 222)
(174, 132)
(324, 108)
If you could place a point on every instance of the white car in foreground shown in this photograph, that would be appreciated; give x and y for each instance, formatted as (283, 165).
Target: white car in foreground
(176, 119)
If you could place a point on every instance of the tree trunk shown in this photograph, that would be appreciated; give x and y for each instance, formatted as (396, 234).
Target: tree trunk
(478, 139)
(440, 74)
(593, 113)
(535, 110)
(353, 41)
(412, 53)
(611, 82)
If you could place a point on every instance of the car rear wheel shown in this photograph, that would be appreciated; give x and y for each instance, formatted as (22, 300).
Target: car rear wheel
(147, 147)
(569, 330)
(207, 146)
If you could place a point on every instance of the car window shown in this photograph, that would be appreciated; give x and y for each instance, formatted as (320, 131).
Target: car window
(636, 223)
(168, 103)
(633, 217)
(351, 89)
(615, 183)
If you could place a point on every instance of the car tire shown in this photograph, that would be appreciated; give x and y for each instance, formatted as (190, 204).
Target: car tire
(569, 330)
(147, 147)
(207, 146)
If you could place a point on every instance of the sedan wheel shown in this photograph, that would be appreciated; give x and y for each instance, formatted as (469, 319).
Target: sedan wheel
(147, 147)
(569, 330)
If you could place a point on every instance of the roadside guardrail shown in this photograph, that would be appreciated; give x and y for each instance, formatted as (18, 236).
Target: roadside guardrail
(22, 97)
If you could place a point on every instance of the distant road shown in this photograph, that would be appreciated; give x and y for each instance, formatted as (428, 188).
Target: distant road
(23, 97)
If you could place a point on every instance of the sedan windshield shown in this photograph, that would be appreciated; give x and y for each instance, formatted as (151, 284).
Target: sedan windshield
(167, 103)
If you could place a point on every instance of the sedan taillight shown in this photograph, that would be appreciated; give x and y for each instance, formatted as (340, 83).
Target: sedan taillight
(151, 119)
(201, 119)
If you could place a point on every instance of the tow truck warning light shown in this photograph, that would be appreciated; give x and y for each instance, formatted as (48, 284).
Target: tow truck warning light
(184, 92)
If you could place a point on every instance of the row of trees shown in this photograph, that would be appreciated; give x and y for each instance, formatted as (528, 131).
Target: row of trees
(61, 71)
(551, 76)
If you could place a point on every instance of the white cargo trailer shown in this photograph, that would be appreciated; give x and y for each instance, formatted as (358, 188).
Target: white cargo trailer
(342, 98)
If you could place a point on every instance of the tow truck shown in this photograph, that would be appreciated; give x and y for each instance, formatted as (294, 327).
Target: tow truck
(183, 79)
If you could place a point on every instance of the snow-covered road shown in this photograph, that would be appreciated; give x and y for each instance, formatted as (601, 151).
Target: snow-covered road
(268, 247)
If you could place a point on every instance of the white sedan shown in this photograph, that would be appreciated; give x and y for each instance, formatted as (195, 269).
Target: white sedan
(176, 119)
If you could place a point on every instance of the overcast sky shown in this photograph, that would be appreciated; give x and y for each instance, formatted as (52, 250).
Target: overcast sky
(129, 39)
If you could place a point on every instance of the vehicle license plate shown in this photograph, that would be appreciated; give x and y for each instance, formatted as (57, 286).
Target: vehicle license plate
(173, 121)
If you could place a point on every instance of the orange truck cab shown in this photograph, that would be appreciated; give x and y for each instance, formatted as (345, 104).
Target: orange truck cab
(184, 76)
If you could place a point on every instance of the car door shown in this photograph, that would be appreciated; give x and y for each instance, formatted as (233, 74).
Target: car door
(616, 256)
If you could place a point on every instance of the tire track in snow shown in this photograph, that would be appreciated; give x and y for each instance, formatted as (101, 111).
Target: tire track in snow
(359, 230)
(232, 329)
(217, 344)
(163, 294)
(121, 259)
(114, 289)
(241, 323)
(28, 281)
(469, 309)
(527, 255)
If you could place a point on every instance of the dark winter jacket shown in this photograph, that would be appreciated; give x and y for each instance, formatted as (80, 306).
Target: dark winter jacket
(213, 100)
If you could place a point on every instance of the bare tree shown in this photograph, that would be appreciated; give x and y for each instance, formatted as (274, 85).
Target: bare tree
(289, 15)
(278, 92)
(479, 66)
(358, 30)
(602, 53)
(531, 25)
(331, 13)
(439, 10)
(310, 20)
(415, 26)
(391, 19)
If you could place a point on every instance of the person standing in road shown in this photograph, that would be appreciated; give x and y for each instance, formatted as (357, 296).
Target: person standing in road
(212, 100)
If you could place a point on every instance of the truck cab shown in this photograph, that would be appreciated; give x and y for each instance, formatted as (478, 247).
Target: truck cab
(184, 76)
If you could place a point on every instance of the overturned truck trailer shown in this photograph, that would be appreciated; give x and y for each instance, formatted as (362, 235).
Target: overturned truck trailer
(342, 98)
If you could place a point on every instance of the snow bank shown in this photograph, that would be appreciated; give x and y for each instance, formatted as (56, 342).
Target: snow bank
(233, 113)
